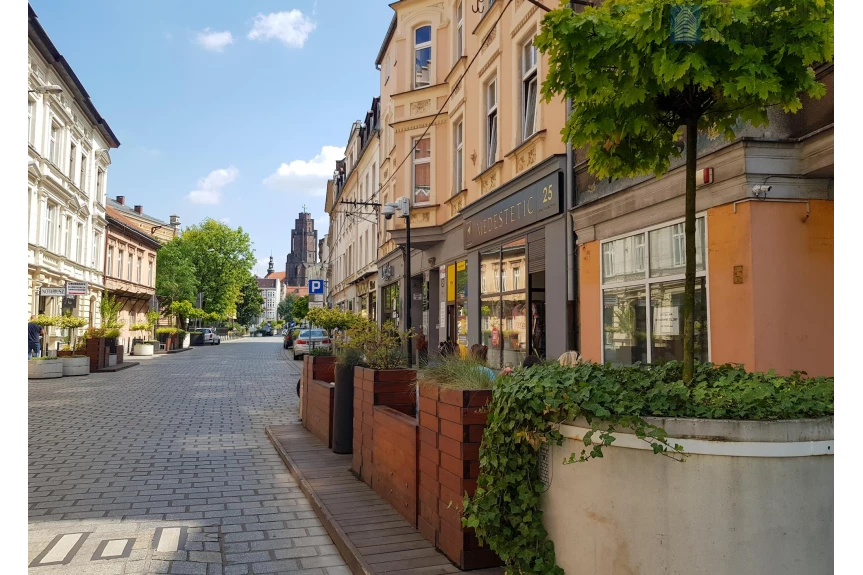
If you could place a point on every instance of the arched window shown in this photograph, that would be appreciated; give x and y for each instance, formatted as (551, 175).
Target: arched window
(422, 56)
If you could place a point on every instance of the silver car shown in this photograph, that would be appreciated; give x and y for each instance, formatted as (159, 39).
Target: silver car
(309, 338)
(210, 336)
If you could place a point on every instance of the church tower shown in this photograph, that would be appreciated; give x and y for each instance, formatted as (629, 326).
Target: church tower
(304, 250)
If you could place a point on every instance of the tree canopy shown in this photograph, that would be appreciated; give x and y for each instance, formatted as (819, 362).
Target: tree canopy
(251, 302)
(301, 307)
(633, 89)
(286, 307)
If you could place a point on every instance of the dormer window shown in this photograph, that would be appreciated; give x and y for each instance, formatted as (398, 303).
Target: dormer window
(422, 57)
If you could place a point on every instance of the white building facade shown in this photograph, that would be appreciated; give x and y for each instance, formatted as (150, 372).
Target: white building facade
(353, 234)
(271, 290)
(68, 145)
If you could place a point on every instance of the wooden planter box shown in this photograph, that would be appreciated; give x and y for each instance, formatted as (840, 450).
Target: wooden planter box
(395, 460)
(44, 368)
(319, 410)
(61, 353)
(97, 350)
(392, 388)
(78, 365)
(451, 427)
(321, 368)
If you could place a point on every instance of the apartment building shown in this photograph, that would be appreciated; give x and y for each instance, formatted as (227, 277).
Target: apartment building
(353, 237)
(486, 176)
(68, 145)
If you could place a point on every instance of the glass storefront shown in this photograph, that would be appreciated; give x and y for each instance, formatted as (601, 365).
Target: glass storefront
(642, 296)
(391, 307)
(503, 304)
(461, 303)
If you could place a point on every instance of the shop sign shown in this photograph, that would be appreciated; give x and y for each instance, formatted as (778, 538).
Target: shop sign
(461, 266)
(536, 202)
(495, 337)
(450, 283)
(52, 291)
(76, 288)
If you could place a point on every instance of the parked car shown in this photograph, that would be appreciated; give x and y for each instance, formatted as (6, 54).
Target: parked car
(288, 340)
(210, 336)
(308, 338)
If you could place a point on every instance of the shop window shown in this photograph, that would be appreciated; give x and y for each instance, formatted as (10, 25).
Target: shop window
(391, 304)
(642, 296)
(461, 302)
(503, 315)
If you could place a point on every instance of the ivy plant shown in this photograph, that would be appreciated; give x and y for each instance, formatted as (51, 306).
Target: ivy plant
(529, 405)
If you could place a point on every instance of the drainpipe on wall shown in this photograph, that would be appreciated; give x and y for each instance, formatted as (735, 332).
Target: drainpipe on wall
(571, 279)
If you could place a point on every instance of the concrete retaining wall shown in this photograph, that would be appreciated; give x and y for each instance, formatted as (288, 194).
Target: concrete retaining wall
(752, 497)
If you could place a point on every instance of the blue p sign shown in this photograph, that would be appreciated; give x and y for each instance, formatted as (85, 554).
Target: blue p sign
(316, 286)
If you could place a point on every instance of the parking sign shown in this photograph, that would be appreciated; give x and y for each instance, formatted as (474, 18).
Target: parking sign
(316, 286)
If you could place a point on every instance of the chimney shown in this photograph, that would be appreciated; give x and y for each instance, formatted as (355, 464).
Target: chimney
(139, 209)
(121, 200)
(175, 221)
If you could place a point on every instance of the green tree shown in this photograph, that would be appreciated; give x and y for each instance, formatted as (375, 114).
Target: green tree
(176, 276)
(251, 302)
(223, 259)
(634, 91)
(286, 307)
(301, 307)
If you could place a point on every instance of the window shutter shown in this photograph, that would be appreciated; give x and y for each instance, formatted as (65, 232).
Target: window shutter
(536, 256)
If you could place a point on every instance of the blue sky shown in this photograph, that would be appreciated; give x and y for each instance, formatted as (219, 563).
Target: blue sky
(225, 109)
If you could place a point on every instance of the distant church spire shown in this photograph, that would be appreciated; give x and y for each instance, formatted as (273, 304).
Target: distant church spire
(271, 268)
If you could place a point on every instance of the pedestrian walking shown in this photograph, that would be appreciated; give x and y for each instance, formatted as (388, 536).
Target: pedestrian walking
(34, 331)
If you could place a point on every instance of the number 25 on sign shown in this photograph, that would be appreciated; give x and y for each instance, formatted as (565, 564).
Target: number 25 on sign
(547, 194)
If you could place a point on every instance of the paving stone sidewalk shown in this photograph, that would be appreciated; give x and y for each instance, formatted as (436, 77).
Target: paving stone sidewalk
(165, 468)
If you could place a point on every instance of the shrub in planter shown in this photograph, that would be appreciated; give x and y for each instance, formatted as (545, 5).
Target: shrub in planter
(529, 406)
(44, 368)
(321, 352)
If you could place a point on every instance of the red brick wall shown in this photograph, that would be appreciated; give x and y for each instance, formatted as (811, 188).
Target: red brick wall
(395, 460)
(319, 410)
(451, 427)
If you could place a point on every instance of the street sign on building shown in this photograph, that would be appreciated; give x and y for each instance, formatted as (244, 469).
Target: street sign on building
(316, 286)
(76, 288)
(52, 291)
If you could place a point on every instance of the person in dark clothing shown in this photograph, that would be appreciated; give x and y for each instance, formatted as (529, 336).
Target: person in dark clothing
(33, 333)
(530, 361)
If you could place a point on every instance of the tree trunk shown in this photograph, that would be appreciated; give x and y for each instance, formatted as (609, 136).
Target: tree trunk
(689, 231)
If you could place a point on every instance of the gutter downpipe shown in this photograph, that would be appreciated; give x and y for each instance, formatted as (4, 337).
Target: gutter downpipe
(572, 335)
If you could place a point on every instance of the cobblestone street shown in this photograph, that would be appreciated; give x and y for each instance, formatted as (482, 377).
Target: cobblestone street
(165, 468)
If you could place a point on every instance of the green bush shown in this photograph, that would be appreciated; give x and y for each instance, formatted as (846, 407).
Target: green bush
(528, 407)
(321, 352)
(167, 330)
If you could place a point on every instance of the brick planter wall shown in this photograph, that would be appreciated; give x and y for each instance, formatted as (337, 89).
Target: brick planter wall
(395, 457)
(97, 351)
(319, 411)
(392, 388)
(321, 368)
(451, 427)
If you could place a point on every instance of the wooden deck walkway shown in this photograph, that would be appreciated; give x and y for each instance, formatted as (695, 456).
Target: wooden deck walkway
(370, 535)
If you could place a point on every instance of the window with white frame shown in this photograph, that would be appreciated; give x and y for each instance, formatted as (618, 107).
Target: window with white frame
(491, 123)
(138, 269)
(528, 89)
(97, 250)
(54, 144)
(120, 264)
(516, 278)
(150, 273)
(79, 244)
(48, 232)
(459, 30)
(643, 277)
(422, 56)
(109, 270)
(73, 153)
(422, 171)
(31, 116)
(458, 168)
(67, 237)
(82, 177)
(129, 266)
(100, 185)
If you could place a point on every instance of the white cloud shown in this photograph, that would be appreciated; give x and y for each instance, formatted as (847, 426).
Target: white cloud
(292, 28)
(306, 176)
(209, 190)
(213, 41)
(261, 266)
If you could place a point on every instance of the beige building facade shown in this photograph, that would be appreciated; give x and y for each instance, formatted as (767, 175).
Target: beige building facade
(485, 173)
(130, 273)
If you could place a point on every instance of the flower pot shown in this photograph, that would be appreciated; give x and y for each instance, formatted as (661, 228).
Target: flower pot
(76, 365)
(44, 369)
(112, 359)
(143, 349)
(62, 353)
